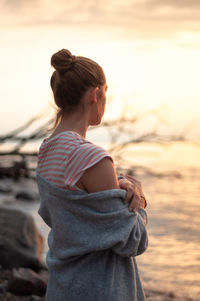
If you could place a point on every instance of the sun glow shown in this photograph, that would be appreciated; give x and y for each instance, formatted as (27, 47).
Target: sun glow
(140, 76)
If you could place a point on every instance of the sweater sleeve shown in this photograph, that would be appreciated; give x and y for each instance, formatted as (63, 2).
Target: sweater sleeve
(135, 242)
(99, 223)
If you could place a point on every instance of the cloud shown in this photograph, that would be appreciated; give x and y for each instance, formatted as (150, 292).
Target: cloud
(14, 6)
(136, 17)
(180, 4)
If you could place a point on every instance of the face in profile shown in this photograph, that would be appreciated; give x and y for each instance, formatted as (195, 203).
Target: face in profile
(99, 109)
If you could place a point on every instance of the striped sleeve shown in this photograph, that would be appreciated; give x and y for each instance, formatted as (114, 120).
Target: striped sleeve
(84, 156)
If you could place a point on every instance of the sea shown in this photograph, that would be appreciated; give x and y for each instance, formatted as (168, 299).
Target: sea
(170, 176)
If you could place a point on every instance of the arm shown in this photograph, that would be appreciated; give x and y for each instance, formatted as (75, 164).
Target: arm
(125, 231)
(101, 176)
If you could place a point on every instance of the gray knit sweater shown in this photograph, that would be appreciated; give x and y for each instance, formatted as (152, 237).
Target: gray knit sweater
(93, 242)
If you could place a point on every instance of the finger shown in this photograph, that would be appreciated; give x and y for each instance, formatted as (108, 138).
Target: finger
(133, 179)
(135, 203)
(129, 196)
(134, 182)
(132, 207)
(130, 177)
(128, 182)
(125, 184)
(137, 184)
(143, 202)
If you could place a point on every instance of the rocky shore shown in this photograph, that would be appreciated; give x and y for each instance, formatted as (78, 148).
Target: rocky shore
(23, 274)
(6, 295)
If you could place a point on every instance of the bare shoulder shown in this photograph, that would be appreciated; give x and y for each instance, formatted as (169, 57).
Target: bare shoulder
(101, 176)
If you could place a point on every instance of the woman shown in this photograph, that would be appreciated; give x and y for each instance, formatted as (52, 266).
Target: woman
(97, 221)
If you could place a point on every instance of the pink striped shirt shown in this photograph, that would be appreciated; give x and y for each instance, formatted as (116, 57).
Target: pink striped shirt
(63, 158)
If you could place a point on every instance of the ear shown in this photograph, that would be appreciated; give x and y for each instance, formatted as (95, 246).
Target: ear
(94, 95)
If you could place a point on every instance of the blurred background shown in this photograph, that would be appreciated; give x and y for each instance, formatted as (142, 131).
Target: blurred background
(149, 51)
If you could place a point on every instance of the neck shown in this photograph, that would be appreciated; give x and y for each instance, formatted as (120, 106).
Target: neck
(75, 122)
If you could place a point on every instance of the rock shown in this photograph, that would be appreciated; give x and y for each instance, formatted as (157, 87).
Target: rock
(5, 276)
(21, 244)
(24, 195)
(3, 287)
(26, 282)
(171, 295)
(5, 188)
(7, 201)
(44, 274)
(16, 170)
(10, 297)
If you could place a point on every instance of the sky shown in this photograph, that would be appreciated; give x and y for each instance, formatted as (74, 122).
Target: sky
(139, 18)
(148, 49)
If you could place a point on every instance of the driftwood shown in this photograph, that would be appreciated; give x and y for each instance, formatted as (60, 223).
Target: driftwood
(115, 128)
(16, 170)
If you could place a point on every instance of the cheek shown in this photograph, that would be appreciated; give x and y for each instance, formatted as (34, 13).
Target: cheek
(104, 98)
(103, 102)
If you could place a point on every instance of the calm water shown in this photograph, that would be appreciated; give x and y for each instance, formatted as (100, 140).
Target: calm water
(172, 260)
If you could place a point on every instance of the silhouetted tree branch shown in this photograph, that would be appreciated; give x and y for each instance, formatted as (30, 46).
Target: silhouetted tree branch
(115, 128)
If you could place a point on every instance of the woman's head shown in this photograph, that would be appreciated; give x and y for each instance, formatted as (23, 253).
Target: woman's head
(72, 78)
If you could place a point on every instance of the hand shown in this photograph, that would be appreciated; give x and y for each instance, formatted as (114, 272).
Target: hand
(135, 194)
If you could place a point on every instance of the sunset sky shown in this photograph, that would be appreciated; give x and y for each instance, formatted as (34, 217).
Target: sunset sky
(148, 49)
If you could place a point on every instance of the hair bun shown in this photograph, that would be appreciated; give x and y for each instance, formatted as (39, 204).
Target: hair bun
(62, 60)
